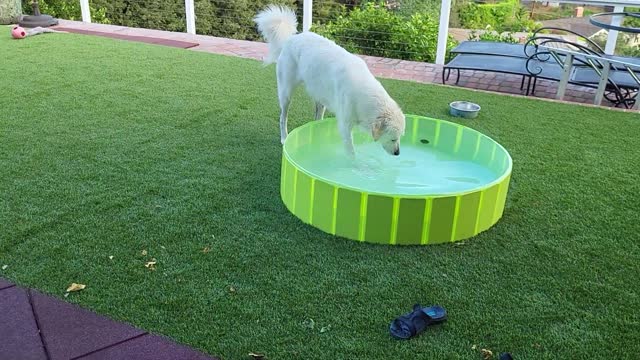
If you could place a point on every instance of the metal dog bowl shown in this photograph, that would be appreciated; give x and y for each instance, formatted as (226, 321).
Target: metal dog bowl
(464, 109)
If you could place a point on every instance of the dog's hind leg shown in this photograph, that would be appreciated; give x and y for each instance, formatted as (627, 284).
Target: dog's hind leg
(285, 100)
(320, 111)
(285, 88)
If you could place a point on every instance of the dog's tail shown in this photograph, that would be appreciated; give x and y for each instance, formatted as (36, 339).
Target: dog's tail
(276, 24)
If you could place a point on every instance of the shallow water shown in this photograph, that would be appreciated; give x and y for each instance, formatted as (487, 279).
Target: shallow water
(418, 170)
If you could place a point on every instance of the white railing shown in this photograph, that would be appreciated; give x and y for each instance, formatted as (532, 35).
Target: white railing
(443, 29)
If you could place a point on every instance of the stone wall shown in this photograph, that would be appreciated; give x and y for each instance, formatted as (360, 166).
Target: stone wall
(10, 11)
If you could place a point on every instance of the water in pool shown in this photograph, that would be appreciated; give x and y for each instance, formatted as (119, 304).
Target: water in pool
(418, 170)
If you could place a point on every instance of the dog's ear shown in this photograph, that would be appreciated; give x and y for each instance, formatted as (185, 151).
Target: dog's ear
(377, 128)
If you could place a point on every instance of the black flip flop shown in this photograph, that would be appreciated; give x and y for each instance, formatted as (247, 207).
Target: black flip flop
(413, 323)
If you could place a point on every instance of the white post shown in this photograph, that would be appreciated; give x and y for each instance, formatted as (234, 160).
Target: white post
(612, 38)
(443, 31)
(190, 9)
(307, 8)
(84, 9)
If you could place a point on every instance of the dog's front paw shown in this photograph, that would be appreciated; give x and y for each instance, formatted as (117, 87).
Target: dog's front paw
(282, 139)
(350, 150)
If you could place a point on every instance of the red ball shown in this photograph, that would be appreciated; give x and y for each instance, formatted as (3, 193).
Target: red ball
(18, 32)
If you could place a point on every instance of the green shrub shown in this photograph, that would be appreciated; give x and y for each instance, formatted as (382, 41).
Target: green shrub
(66, 9)
(493, 36)
(630, 21)
(374, 30)
(325, 10)
(417, 38)
(366, 29)
(409, 7)
(629, 50)
(232, 18)
(624, 46)
(503, 16)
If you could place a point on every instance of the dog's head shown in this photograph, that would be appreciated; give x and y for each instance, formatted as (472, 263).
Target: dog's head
(388, 128)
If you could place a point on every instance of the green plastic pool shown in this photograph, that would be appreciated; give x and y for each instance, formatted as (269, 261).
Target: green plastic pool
(449, 183)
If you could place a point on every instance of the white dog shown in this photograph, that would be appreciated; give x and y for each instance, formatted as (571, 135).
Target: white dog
(333, 77)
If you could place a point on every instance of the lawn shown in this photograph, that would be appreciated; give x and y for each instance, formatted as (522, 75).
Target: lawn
(109, 148)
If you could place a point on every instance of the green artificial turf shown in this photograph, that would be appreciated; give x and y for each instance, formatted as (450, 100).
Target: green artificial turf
(109, 148)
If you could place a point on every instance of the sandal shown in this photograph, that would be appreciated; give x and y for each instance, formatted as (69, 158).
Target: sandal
(413, 323)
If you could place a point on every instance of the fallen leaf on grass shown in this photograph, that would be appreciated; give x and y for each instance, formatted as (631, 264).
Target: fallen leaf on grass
(144, 252)
(309, 324)
(110, 257)
(4, 267)
(232, 289)
(151, 265)
(473, 347)
(257, 356)
(76, 287)
(206, 249)
(486, 354)
(324, 329)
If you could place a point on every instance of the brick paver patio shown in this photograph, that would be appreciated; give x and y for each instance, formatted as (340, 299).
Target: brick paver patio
(34, 326)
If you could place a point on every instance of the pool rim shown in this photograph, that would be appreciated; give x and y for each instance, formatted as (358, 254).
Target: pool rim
(506, 173)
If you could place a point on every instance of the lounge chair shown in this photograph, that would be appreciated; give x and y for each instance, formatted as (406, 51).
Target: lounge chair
(504, 65)
(543, 57)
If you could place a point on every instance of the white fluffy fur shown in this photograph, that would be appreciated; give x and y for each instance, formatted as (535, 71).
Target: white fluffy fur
(333, 77)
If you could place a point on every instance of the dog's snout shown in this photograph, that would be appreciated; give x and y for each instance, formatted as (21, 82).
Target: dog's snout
(397, 152)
